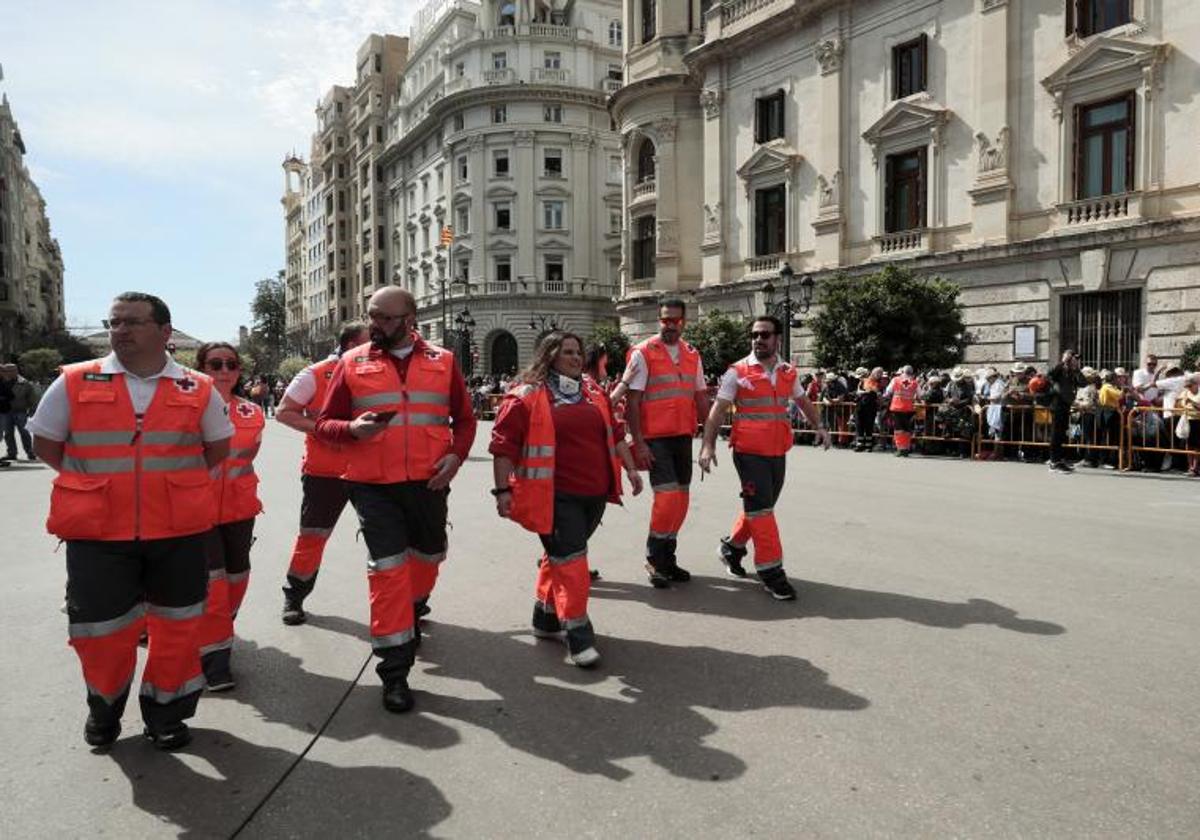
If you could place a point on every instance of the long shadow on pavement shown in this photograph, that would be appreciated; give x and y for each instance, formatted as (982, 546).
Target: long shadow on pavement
(545, 707)
(746, 599)
(318, 798)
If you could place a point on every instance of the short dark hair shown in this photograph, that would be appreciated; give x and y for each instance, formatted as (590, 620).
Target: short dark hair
(592, 356)
(775, 322)
(158, 310)
(674, 303)
(348, 332)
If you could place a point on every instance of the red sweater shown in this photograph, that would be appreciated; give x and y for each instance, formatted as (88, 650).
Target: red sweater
(581, 466)
(333, 423)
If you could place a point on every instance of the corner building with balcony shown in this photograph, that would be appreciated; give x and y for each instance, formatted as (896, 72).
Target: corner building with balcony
(1038, 155)
(504, 174)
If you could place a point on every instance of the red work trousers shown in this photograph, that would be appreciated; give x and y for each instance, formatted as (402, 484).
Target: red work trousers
(563, 581)
(670, 479)
(321, 505)
(227, 548)
(762, 482)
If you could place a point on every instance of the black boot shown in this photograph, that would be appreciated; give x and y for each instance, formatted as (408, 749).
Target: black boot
(732, 557)
(100, 733)
(397, 698)
(293, 607)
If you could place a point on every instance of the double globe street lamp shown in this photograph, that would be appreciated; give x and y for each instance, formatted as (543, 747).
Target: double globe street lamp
(787, 309)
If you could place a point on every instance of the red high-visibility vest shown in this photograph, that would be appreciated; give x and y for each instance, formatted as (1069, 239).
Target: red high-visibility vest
(532, 481)
(322, 458)
(668, 407)
(125, 478)
(419, 435)
(904, 393)
(761, 425)
(237, 485)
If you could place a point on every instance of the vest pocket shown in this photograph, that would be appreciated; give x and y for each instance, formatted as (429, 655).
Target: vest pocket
(190, 498)
(244, 497)
(78, 507)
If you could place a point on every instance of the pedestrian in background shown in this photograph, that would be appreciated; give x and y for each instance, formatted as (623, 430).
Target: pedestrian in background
(1064, 379)
(558, 453)
(133, 436)
(903, 394)
(401, 409)
(235, 486)
(324, 493)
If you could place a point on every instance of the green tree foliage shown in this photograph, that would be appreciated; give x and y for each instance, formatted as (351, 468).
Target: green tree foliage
(616, 343)
(70, 348)
(291, 366)
(889, 318)
(268, 336)
(40, 364)
(187, 358)
(721, 340)
(1190, 358)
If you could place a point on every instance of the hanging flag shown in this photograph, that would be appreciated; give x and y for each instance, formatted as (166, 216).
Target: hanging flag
(447, 236)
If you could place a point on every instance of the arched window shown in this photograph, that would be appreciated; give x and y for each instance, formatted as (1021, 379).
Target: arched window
(614, 33)
(645, 161)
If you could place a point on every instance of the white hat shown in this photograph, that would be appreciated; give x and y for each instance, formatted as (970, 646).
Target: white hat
(937, 377)
(1017, 368)
(990, 372)
(860, 372)
(830, 375)
(1088, 372)
(1120, 372)
(957, 374)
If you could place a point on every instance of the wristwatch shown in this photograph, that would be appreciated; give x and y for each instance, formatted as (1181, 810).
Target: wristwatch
(500, 491)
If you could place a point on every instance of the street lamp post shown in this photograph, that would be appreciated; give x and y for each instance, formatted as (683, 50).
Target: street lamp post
(787, 309)
(463, 325)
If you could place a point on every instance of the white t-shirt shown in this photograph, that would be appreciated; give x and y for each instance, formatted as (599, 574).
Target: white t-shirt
(52, 420)
(728, 388)
(302, 388)
(637, 371)
(1140, 379)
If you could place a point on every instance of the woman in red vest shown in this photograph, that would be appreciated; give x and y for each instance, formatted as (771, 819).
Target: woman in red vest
(235, 488)
(558, 456)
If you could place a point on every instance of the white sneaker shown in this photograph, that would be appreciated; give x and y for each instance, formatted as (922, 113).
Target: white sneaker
(585, 658)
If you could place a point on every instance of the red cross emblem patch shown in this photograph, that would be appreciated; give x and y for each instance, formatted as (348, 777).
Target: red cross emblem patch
(245, 410)
(187, 384)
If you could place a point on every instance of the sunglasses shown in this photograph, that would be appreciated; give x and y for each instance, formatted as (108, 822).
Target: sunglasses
(760, 334)
(217, 364)
(670, 322)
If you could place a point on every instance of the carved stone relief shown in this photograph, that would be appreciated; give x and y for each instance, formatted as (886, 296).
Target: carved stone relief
(993, 156)
(712, 221)
(665, 129)
(830, 190)
(829, 54)
(710, 100)
(667, 236)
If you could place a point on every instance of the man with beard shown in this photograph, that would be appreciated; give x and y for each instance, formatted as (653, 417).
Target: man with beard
(402, 410)
(760, 386)
(667, 395)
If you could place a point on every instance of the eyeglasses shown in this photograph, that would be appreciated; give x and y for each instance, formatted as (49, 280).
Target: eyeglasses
(761, 334)
(217, 364)
(117, 323)
(670, 322)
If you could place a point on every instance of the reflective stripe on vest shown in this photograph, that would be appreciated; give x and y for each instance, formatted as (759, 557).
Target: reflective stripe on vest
(236, 495)
(321, 458)
(126, 477)
(765, 429)
(669, 402)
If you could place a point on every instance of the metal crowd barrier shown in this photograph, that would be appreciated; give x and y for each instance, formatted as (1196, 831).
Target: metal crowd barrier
(1151, 429)
(1027, 429)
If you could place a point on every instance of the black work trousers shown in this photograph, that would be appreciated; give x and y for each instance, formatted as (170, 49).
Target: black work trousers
(1060, 422)
(670, 480)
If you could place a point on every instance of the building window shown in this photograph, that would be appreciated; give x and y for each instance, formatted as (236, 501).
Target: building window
(503, 215)
(645, 161)
(459, 122)
(555, 275)
(1104, 328)
(425, 237)
(643, 248)
(770, 221)
(552, 166)
(425, 190)
(1104, 142)
(552, 215)
(649, 20)
(552, 113)
(463, 219)
(552, 60)
(462, 168)
(614, 33)
(768, 117)
(499, 61)
(908, 67)
(499, 113)
(504, 270)
(904, 201)
(500, 163)
(460, 69)
(1087, 17)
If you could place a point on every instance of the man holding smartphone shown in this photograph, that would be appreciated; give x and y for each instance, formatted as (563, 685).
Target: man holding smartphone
(1065, 378)
(402, 410)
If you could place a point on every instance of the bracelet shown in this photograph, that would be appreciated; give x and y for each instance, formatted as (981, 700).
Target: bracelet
(500, 491)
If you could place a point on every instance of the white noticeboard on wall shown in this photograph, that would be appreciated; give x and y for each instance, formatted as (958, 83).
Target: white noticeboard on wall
(1025, 341)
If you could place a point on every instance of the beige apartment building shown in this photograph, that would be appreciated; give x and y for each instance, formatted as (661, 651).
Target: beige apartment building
(504, 174)
(31, 265)
(1040, 155)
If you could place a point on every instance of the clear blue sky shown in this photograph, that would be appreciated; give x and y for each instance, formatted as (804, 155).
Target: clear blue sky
(156, 130)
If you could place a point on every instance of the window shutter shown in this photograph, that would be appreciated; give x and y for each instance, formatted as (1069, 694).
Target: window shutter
(923, 158)
(1077, 153)
(889, 186)
(1130, 141)
(758, 121)
(923, 58)
(1071, 15)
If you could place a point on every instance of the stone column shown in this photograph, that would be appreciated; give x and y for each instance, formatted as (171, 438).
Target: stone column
(477, 174)
(991, 194)
(714, 166)
(584, 212)
(666, 251)
(525, 211)
(829, 223)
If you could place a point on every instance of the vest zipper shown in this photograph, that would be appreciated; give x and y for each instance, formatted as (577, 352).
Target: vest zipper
(137, 478)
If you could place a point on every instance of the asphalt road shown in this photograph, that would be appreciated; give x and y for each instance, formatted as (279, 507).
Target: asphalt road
(979, 650)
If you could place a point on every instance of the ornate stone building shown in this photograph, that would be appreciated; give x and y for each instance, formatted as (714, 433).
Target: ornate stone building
(504, 173)
(31, 265)
(1039, 155)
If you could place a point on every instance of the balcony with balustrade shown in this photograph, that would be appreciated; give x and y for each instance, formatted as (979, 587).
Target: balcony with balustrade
(525, 288)
(904, 243)
(733, 17)
(550, 76)
(1103, 211)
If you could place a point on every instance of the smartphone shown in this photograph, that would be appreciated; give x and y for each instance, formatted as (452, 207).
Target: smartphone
(384, 416)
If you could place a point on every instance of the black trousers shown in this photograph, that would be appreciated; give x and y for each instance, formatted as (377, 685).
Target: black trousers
(1060, 422)
(114, 590)
(670, 479)
(407, 520)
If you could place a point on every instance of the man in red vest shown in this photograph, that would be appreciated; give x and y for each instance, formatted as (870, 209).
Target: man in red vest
(325, 494)
(667, 395)
(132, 437)
(401, 409)
(760, 387)
(903, 390)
